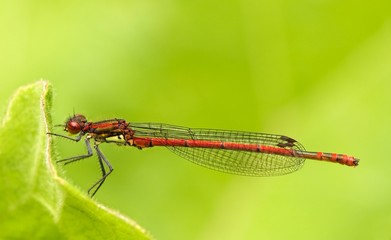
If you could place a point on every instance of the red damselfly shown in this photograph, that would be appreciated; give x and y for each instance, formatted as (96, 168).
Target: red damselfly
(236, 152)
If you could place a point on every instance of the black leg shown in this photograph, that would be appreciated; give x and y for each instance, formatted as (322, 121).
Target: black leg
(77, 158)
(66, 137)
(102, 159)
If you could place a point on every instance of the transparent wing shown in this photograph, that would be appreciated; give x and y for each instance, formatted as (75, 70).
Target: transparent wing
(231, 161)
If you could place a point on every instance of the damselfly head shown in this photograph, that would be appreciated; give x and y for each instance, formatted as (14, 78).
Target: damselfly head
(75, 124)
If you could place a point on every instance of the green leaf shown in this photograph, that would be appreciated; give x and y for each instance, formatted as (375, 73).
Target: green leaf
(35, 202)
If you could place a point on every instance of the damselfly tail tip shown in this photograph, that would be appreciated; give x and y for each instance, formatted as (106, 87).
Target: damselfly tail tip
(355, 162)
(349, 161)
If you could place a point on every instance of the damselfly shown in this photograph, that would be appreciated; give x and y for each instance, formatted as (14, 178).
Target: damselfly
(236, 152)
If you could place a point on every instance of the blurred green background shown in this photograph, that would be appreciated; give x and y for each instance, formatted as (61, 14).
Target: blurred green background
(318, 71)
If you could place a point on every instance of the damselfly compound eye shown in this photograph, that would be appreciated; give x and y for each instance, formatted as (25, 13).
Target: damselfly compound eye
(73, 127)
(75, 124)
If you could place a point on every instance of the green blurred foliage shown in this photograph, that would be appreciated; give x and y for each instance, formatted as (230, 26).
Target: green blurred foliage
(318, 71)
